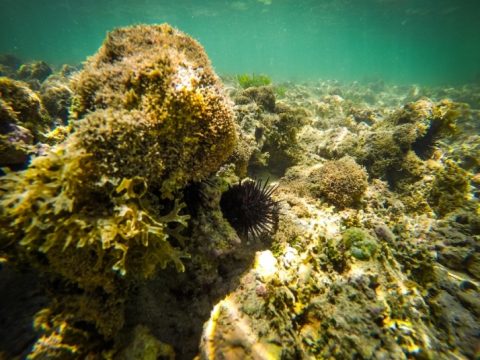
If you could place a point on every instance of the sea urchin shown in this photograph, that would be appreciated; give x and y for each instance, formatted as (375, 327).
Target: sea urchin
(249, 208)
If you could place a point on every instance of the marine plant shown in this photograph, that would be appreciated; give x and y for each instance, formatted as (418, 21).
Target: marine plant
(253, 80)
(360, 244)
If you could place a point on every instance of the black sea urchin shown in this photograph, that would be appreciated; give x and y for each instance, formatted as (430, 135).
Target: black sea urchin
(249, 208)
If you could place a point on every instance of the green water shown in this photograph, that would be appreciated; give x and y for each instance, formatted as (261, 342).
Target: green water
(402, 41)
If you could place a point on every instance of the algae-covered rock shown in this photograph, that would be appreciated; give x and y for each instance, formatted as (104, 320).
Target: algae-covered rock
(56, 97)
(176, 106)
(414, 129)
(25, 107)
(37, 70)
(144, 346)
(23, 121)
(90, 213)
(271, 129)
(361, 245)
(342, 182)
(262, 95)
(450, 189)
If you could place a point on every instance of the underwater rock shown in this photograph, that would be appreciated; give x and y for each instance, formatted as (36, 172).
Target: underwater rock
(416, 127)
(263, 96)
(8, 65)
(272, 127)
(450, 189)
(16, 145)
(183, 120)
(23, 121)
(144, 346)
(341, 182)
(56, 96)
(37, 70)
(329, 289)
(361, 245)
(25, 107)
(91, 213)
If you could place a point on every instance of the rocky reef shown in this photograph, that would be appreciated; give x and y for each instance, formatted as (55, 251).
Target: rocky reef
(381, 277)
(102, 209)
(135, 217)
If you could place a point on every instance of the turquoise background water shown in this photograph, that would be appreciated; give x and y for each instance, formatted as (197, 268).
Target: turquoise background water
(403, 41)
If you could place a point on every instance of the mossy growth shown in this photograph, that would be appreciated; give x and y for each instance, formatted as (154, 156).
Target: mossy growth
(101, 210)
(84, 231)
(450, 189)
(263, 96)
(251, 80)
(395, 148)
(165, 108)
(280, 142)
(21, 106)
(361, 245)
(341, 182)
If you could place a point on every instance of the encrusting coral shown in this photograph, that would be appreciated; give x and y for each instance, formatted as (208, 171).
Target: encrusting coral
(150, 116)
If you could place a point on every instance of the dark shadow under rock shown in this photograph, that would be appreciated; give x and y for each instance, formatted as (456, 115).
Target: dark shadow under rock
(22, 296)
(174, 306)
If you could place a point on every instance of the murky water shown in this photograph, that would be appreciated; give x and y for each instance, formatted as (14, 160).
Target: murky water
(408, 41)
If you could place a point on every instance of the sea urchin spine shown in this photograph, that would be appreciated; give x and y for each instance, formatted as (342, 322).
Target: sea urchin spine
(249, 208)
